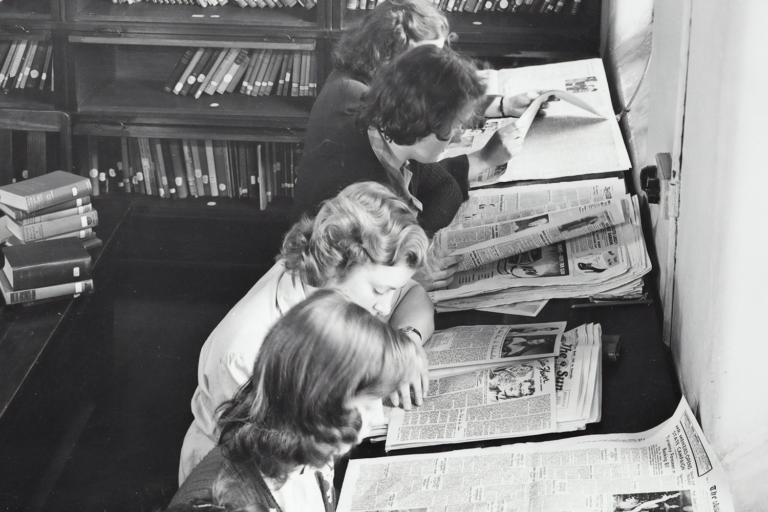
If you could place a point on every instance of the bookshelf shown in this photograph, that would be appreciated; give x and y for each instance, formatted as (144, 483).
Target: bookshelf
(112, 57)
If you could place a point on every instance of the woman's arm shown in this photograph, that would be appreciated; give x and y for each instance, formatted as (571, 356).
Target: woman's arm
(415, 310)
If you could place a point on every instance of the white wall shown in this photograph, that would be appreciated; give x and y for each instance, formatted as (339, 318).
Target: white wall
(721, 282)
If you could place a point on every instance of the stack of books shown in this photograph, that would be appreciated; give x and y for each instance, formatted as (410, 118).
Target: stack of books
(47, 229)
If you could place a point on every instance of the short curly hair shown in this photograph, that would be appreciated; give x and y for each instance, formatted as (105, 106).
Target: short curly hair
(295, 410)
(426, 90)
(386, 32)
(366, 223)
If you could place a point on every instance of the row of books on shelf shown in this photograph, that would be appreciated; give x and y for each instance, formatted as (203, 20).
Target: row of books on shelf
(307, 4)
(26, 65)
(180, 168)
(259, 72)
(571, 7)
(47, 231)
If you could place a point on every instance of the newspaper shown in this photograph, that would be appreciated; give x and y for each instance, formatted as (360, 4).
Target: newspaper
(606, 263)
(502, 222)
(569, 140)
(474, 347)
(536, 396)
(530, 308)
(668, 468)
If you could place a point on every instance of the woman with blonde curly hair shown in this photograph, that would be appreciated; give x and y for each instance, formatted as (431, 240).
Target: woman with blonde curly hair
(316, 385)
(364, 243)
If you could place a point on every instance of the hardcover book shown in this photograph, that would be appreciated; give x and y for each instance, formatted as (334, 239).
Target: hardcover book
(44, 191)
(36, 295)
(46, 263)
(48, 229)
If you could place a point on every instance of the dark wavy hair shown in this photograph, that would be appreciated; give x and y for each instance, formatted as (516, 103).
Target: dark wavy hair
(426, 90)
(295, 409)
(366, 223)
(386, 32)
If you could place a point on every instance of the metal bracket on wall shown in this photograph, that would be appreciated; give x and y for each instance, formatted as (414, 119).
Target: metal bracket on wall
(661, 185)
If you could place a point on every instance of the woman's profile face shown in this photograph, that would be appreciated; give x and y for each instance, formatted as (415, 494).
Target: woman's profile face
(371, 412)
(375, 287)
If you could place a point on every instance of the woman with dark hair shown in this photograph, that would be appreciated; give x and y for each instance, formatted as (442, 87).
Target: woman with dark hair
(364, 243)
(316, 385)
(387, 31)
(414, 106)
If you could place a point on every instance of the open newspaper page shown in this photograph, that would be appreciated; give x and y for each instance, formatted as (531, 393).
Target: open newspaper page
(473, 347)
(535, 396)
(569, 140)
(492, 242)
(609, 262)
(496, 223)
(671, 467)
(513, 400)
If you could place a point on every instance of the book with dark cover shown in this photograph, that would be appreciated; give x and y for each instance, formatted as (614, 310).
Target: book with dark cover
(36, 69)
(164, 188)
(193, 75)
(20, 215)
(46, 263)
(173, 147)
(214, 62)
(6, 163)
(178, 70)
(35, 295)
(51, 228)
(43, 191)
(210, 160)
(201, 169)
(220, 158)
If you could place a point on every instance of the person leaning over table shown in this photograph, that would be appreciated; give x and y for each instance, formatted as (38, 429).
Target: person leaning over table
(315, 387)
(365, 243)
(387, 31)
(415, 105)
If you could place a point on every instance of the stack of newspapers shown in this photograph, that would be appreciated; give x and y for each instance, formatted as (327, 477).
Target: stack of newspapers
(544, 241)
(503, 381)
(522, 244)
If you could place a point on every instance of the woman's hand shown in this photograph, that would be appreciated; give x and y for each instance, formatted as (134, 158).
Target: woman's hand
(418, 381)
(443, 273)
(506, 143)
(515, 106)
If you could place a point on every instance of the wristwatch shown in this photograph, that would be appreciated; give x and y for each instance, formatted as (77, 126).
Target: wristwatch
(408, 329)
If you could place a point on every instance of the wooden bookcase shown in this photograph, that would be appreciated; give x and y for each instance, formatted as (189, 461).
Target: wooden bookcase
(111, 59)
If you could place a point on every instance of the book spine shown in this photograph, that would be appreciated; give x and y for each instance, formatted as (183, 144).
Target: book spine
(203, 85)
(211, 162)
(181, 65)
(163, 187)
(50, 274)
(78, 210)
(189, 167)
(146, 164)
(180, 180)
(295, 73)
(49, 292)
(43, 230)
(201, 178)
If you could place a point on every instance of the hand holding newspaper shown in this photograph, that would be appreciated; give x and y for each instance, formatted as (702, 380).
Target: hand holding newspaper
(579, 135)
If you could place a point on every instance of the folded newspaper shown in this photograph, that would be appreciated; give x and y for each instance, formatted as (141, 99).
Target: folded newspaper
(671, 467)
(525, 395)
(502, 222)
(608, 263)
(579, 134)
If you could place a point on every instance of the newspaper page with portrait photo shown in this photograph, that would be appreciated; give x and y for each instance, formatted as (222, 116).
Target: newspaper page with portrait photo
(609, 263)
(554, 394)
(475, 347)
(668, 468)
